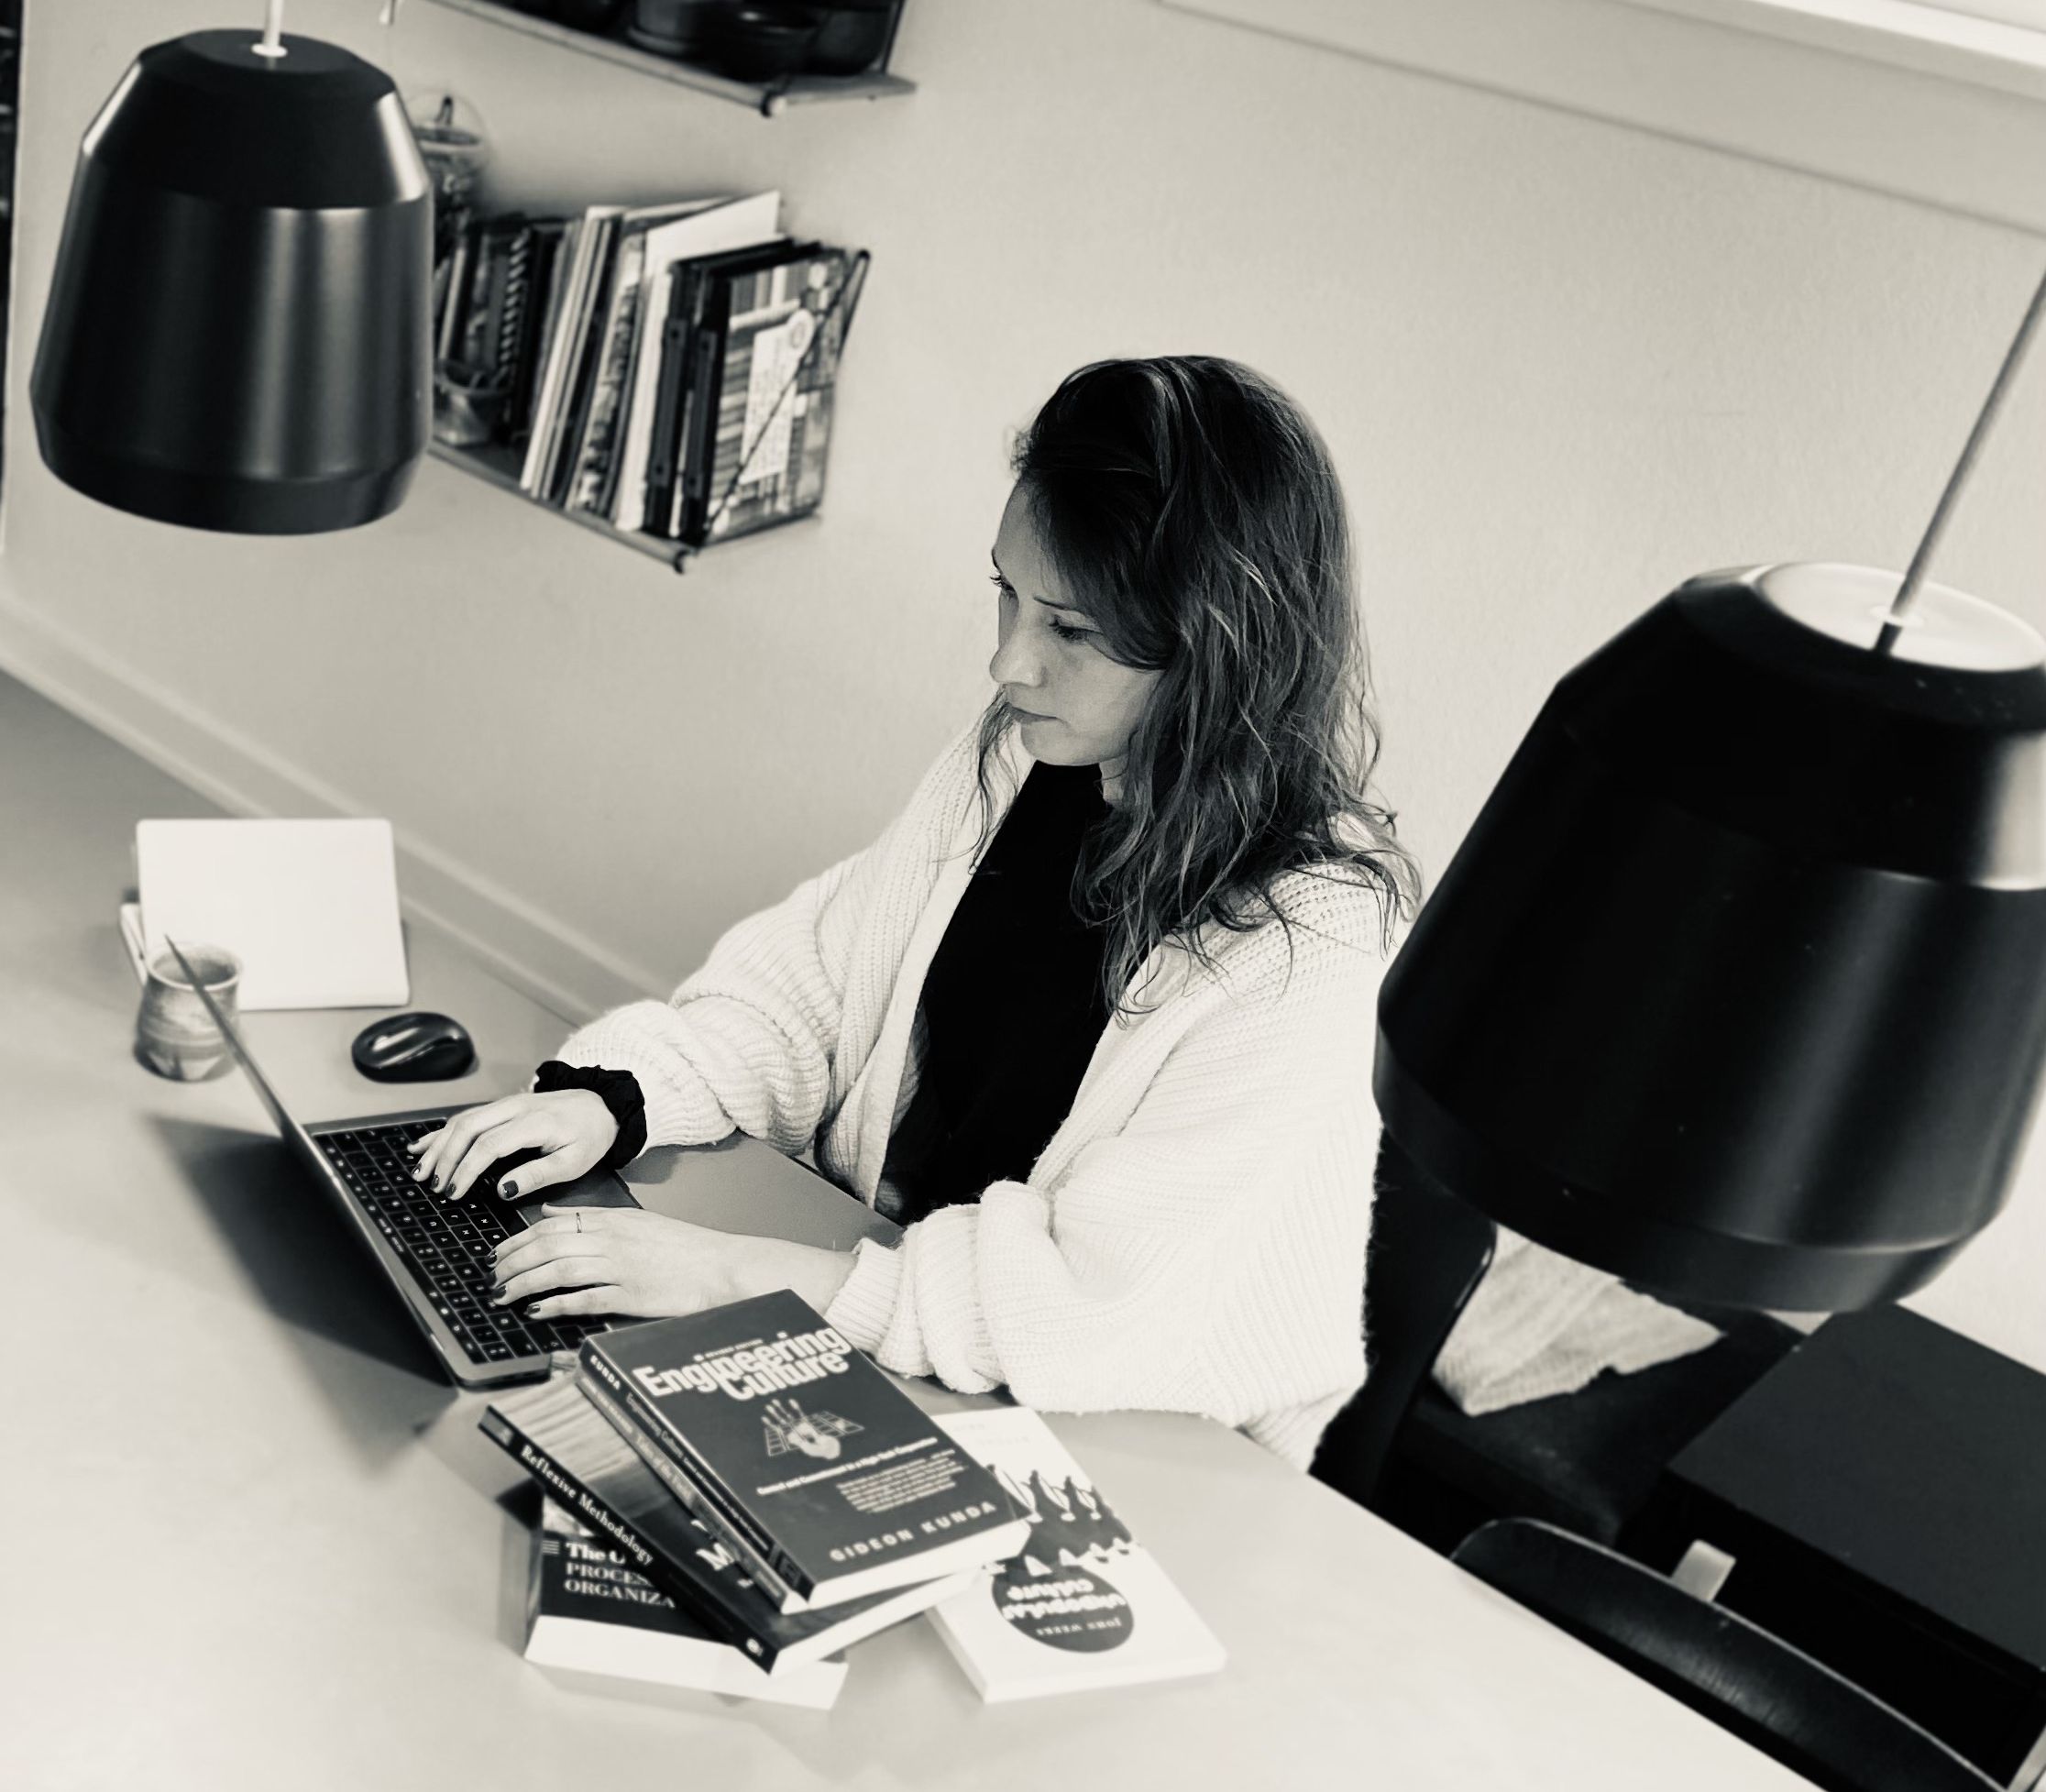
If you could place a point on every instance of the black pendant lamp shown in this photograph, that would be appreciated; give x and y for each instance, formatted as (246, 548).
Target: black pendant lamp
(1737, 986)
(239, 333)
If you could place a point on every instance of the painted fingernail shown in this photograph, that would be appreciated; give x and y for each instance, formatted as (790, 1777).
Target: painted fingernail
(508, 1186)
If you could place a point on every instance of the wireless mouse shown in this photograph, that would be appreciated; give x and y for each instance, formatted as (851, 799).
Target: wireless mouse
(414, 1048)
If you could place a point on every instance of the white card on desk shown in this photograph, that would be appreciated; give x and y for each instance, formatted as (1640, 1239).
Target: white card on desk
(310, 908)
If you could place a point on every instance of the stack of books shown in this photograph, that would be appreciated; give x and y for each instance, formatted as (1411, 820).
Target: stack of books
(667, 370)
(735, 1498)
(764, 1477)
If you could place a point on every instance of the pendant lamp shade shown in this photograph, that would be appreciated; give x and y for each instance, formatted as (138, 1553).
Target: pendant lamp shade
(238, 331)
(1737, 986)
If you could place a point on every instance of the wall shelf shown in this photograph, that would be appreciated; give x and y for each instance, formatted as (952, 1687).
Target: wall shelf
(767, 98)
(497, 464)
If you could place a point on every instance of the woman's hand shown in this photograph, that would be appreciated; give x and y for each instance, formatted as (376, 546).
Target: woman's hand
(644, 1265)
(571, 1129)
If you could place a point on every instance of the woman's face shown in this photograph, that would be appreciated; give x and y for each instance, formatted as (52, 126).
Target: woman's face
(1077, 706)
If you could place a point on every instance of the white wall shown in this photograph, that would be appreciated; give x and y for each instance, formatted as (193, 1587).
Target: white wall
(1562, 365)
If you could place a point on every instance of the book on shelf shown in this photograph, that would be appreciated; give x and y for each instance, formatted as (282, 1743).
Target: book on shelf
(604, 345)
(816, 1470)
(589, 1610)
(759, 400)
(646, 259)
(554, 1432)
(1083, 1603)
(695, 280)
(565, 353)
(543, 240)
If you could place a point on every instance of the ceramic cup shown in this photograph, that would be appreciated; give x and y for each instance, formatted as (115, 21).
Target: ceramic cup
(174, 1034)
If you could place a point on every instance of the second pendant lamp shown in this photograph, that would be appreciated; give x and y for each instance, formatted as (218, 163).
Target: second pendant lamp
(238, 334)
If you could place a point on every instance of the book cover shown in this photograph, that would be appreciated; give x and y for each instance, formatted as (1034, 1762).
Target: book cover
(723, 1522)
(804, 1450)
(1083, 1603)
(757, 441)
(588, 1609)
(552, 1431)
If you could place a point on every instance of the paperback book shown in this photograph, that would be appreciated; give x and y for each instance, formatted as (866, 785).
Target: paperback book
(801, 1452)
(589, 1610)
(1081, 1604)
(553, 1432)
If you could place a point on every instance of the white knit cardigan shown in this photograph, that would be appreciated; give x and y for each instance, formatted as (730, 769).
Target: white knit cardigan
(1193, 1236)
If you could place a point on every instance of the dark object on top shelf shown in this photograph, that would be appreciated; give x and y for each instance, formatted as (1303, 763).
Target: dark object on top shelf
(759, 42)
(600, 16)
(844, 54)
(669, 27)
(1748, 1682)
(852, 38)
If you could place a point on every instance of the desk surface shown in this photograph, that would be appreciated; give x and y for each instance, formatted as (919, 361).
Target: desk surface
(256, 1541)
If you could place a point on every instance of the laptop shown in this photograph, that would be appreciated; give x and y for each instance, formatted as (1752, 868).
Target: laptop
(440, 1255)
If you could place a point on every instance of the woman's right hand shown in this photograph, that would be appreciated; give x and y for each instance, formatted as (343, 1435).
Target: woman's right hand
(571, 1129)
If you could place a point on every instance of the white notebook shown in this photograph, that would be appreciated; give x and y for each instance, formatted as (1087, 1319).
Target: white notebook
(1086, 1604)
(310, 908)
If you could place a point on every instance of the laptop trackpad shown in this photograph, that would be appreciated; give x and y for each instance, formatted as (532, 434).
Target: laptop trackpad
(593, 1188)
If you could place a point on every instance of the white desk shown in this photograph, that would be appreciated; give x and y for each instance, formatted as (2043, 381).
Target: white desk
(254, 1541)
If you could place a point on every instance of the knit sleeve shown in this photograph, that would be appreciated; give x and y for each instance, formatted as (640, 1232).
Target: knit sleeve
(749, 1041)
(1203, 1259)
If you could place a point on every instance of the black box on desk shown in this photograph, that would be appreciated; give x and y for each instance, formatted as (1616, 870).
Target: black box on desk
(1883, 1493)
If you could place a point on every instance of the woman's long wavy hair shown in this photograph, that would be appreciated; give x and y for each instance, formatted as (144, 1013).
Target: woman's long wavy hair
(1190, 510)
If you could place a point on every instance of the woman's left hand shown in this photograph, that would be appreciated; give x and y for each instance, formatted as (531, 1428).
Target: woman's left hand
(628, 1261)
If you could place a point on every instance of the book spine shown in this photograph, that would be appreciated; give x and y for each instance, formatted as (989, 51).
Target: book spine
(689, 1479)
(672, 1578)
(525, 368)
(513, 326)
(668, 411)
(699, 423)
(598, 451)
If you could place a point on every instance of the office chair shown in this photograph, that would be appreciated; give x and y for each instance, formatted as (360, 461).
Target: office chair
(1427, 1252)
(1774, 1697)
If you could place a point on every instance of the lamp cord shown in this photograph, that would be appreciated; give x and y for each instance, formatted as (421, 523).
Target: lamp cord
(1907, 593)
(273, 30)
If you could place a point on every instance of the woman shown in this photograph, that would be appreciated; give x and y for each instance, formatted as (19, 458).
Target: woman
(1094, 1017)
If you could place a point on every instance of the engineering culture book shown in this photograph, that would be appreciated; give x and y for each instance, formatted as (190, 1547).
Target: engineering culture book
(802, 1453)
(553, 1432)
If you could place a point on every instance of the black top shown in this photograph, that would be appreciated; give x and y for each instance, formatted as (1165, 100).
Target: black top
(1012, 1005)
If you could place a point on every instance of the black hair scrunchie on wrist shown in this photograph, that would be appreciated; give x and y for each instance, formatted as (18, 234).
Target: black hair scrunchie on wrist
(618, 1090)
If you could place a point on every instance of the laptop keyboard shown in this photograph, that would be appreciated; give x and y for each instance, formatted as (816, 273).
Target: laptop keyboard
(448, 1246)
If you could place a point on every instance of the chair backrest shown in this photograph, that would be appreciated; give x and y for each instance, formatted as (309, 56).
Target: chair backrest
(1793, 1709)
(1427, 1252)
